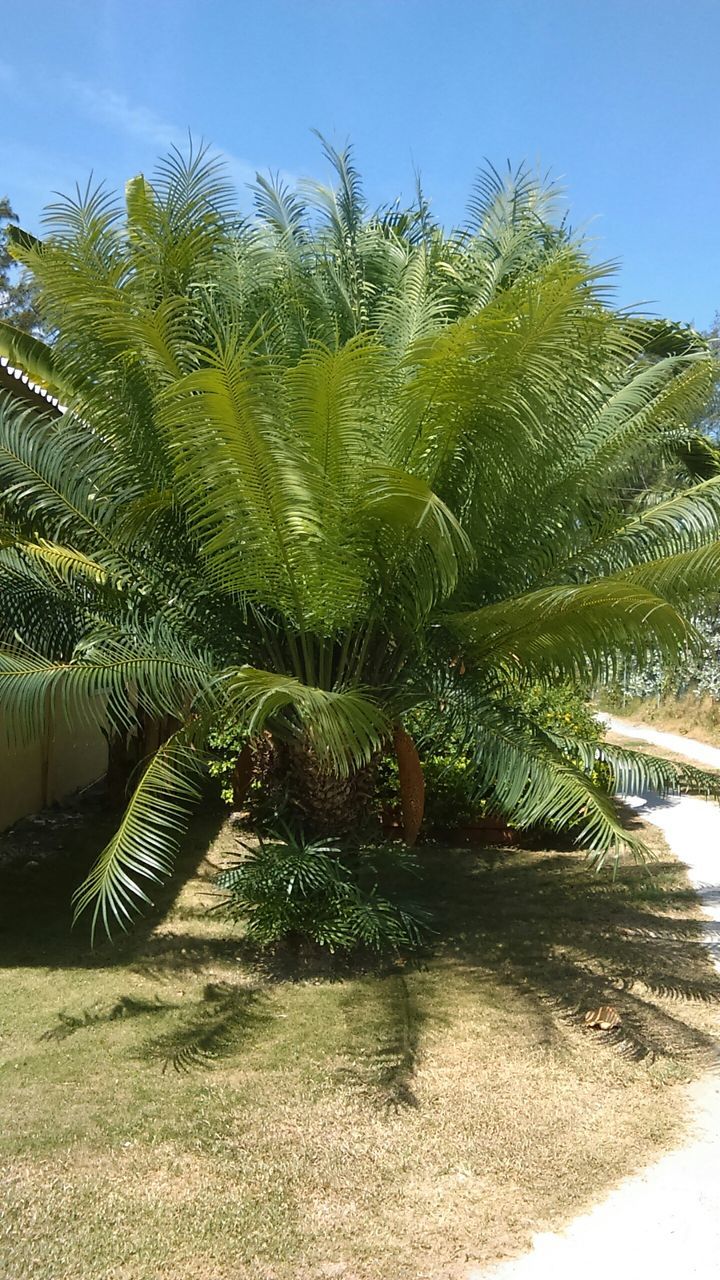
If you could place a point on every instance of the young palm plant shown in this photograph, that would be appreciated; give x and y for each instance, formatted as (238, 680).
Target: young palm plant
(323, 466)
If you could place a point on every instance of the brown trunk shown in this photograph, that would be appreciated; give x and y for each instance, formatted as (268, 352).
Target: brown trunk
(243, 775)
(121, 762)
(412, 784)
(319, 801)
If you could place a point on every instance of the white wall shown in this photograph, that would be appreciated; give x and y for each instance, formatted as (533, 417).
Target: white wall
(51, 769)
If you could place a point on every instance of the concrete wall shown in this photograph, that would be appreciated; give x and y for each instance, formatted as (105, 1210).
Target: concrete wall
(51, 769)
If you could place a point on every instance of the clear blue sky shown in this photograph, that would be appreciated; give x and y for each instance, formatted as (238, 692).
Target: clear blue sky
(619, 98)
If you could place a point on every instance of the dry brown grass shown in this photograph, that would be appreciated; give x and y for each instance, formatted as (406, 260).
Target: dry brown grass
(390, 1126)
(692, 716)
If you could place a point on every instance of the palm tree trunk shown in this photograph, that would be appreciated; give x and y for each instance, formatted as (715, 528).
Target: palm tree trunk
(127, 750)
(243, 774)
(412, 784)
(321, 802)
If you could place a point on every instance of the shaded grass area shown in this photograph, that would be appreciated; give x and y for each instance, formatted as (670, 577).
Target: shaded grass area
(173, 1109)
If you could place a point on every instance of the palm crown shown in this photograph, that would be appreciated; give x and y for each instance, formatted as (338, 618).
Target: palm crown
(325, 465)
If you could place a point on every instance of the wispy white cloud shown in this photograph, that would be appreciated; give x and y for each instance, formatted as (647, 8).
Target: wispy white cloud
(134, 121)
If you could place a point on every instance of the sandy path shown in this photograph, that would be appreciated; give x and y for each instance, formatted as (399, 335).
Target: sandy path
(665, 1222)
(698, 752)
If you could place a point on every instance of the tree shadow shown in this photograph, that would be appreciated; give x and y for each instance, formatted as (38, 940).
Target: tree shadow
(42, 861)
(223, 1021)
(384, 1022)
(215, 1025)
(125, 1008)
(568, 939)
(574, 940)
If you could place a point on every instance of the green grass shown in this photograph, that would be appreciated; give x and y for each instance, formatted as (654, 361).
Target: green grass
(172, 1109)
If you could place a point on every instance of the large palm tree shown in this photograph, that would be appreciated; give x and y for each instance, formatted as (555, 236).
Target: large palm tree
(325, 465)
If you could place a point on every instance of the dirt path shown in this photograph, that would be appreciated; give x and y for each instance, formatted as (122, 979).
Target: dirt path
(665, 1222)
(690, 748)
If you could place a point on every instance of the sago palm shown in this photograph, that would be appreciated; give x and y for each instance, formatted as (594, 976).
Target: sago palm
(323, 466)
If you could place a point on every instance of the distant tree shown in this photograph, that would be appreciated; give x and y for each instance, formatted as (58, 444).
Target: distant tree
(17, 304)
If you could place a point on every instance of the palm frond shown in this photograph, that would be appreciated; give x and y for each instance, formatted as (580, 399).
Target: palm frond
(94, 686)
(280, 208)
(575, 632)
(31, 354)
(683, 579)
(143, 849)
(345, 726)
(535, 784)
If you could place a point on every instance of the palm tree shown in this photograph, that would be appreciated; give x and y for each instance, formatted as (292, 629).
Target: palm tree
(326, 465)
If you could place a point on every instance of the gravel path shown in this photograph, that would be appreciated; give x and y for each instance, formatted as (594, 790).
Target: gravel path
(665, 1222)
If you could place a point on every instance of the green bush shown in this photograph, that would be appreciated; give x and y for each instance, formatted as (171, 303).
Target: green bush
(564, 713)
(290, 890)
(454, 796)
(561, 710)
(225, 743)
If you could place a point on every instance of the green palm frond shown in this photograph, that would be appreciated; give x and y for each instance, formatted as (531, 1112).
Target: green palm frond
(685, 521)
(670, 391)
(495, 372)
(69, 564)
(30, 354)
(345, 207)
(38, 607)
(47, 472)
(280, 208)
(143, 849)
(535, 784)
(499, 201)
(345, 726)
(572, 631)
(640, 772)
(406, 505)
(683, 579)
(94, 686)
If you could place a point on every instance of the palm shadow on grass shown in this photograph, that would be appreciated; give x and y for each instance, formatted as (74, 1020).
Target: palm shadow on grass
(214, 1026)
(384, 1021)
(225, 1020)
(125, 1008)
(541, 924)
(571, 940)
(566, 939)
(42, 861)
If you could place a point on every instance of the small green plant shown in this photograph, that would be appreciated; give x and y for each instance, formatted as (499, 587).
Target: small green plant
(290, 890)
(225, 742)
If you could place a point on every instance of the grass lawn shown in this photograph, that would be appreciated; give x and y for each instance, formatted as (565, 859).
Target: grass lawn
(171, 1109)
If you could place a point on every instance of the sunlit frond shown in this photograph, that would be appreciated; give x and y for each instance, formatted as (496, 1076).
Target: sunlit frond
(142, 850)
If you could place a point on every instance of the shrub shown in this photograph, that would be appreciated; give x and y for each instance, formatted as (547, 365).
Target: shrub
(291, 890)
(455, 792)
(565, 714)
